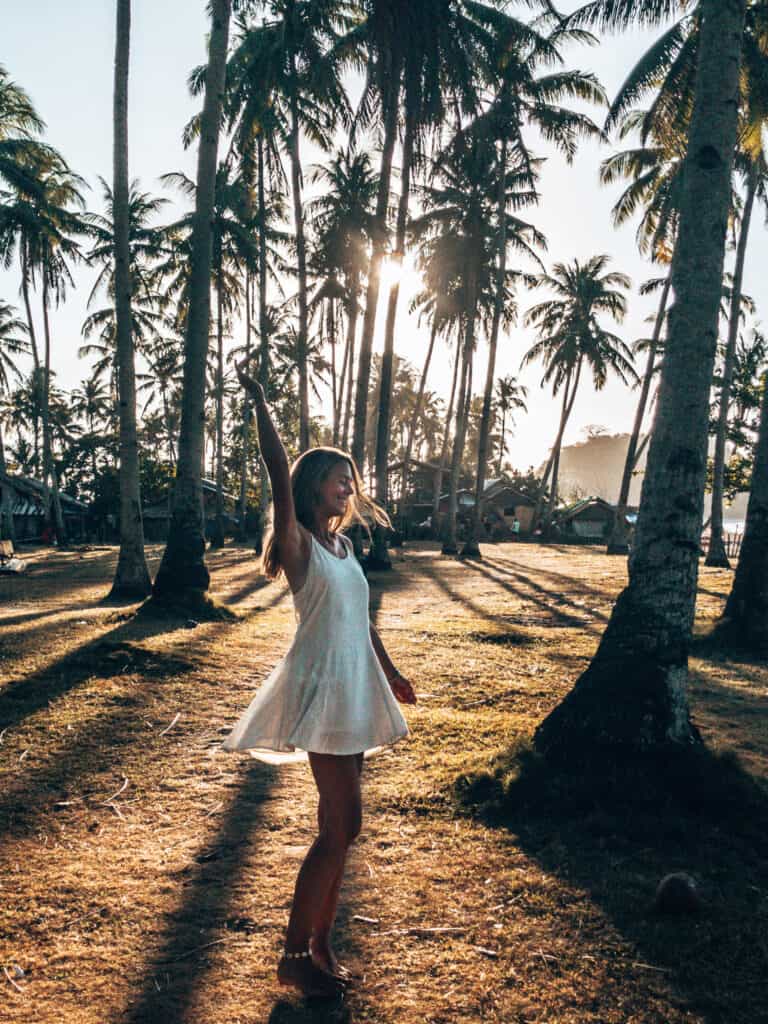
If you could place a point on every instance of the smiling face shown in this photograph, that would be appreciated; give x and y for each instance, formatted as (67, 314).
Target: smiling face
(334, 492)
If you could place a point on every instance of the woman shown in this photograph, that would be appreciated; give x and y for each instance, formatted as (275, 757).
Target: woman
(332, 696)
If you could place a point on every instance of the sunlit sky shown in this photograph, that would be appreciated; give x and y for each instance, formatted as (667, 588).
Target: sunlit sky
(62, 55)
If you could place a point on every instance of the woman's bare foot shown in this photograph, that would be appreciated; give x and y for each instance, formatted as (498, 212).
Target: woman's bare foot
(324, 956)
(310, 978)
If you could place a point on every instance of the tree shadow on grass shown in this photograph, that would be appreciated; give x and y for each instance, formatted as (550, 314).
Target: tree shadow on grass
(613, 833)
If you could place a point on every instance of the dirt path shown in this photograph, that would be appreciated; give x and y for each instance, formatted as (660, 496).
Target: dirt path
(146, 875)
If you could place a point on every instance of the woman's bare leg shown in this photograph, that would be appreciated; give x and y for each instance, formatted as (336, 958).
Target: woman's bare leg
(321, 934)
(338, 782)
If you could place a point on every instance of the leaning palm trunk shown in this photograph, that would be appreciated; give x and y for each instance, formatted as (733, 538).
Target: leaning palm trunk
(413, 426)
(374, 269)
(351, 333)
(263, 325)
(716, 554)
(183, 574)
(746, 611)
(301, 259)
(471, 547)
(551, 470)
(131, 575)
(378, 558)
(618, 543)
(245, 457)
(450, 545)
(632, 698)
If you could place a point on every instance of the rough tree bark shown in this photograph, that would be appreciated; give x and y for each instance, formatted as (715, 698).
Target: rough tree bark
(132, 578)
(632, 698)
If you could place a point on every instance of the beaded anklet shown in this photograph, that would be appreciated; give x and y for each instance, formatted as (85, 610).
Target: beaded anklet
(296, 956)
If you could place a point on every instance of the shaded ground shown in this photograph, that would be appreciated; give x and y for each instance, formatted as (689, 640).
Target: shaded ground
(146, 875)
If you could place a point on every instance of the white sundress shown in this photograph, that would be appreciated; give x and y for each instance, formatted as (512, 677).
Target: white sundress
(328, 694)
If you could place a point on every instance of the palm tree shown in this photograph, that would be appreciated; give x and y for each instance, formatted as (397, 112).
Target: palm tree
(632, 697)
(510, 397)
(570, 337)
(13, 342)
(183, 574)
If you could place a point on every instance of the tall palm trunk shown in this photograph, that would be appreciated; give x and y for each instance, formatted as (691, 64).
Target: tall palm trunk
(51, 495)
(618, 543)
(330, 329)
(217, 538)
(450, 545)
(245, 457)
(442, 462)
(746, 610)
(183, 573)
(374, 269)
(351, 335)
(554, 456)
(301, 259)
(566, 415)
(36, 376)
(263, 325)
(716, 555)
(471, 547)
(340, 391)
(414, 424)
(632, 698)
(131, 575)
(502, 444)
(379, 558)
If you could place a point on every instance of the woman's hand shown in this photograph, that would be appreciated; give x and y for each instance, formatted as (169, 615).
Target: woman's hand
(251, 386)
(402, 689)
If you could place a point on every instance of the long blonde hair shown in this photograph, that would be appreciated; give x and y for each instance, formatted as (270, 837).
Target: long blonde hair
(307, 474)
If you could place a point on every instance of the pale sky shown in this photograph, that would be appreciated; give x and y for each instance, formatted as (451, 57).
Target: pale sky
(62, 55)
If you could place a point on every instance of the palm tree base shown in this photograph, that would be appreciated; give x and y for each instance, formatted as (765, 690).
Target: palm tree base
(129, 591)
(191, 605)
(449, 548)
(378, 557)
(620, 547)
(217, 533)
(471, 549)
(716, 556)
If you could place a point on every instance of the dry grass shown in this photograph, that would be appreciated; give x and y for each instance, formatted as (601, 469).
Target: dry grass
(167, 902)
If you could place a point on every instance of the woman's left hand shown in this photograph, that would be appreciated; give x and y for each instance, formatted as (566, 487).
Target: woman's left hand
(403, 690)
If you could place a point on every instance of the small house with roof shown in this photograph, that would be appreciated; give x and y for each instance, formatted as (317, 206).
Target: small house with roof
(27, 501)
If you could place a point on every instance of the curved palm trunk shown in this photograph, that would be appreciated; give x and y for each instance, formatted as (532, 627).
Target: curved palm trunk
(443, 460)
(716, 555)
(35, 354)
(131, 575)
(377, 255)
(301, 259)
(471, 547)
(245, 459)
(567, 409)
(618, 543)
(337, 409)
(632, 698)
(450, 544)
(414, 424)
(217, 538)
(746, 611)
(553, 462)
(378, 558)
(52, 498)
(183, 573)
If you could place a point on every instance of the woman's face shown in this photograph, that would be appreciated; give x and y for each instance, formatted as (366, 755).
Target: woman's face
(335, 491)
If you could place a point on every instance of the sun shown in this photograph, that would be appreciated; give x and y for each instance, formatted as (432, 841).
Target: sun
(391, 272)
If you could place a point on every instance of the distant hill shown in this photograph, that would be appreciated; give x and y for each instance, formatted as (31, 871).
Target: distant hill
(594, 467)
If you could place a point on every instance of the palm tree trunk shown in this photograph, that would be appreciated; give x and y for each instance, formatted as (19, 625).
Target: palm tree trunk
(567, 409)
(52, 499)
(450, 545)
(351, 333)
(217, 538)
(330, 327)
(554, 453)
(413, 426)
(471, 547)
(443, 460)
(301, 259)
(377, 255)
(503, 434)
(131, 578)
(183, 574)
(337, 409)
(378, 558)
(35, 353)
(746, 610)
(618, 543)
(632, 698)
(245, 459)
(716, 555)
(6, 509)
(263, 325)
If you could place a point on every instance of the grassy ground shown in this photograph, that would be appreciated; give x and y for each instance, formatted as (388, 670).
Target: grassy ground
(146, 875)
